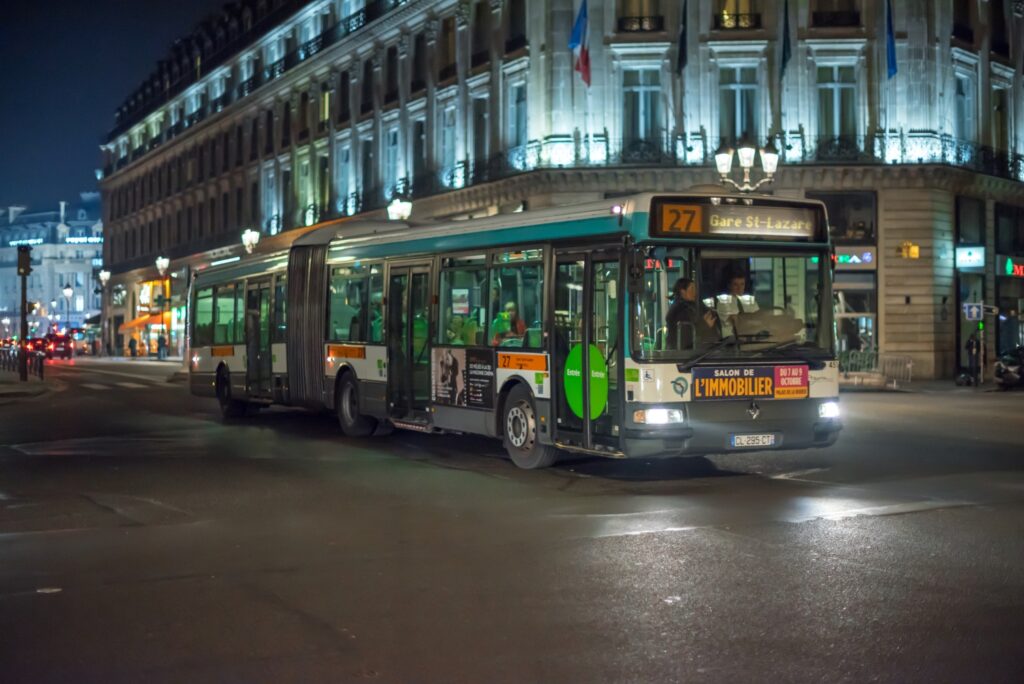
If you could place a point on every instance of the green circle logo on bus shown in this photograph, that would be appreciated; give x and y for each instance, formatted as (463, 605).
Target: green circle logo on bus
(573, 376)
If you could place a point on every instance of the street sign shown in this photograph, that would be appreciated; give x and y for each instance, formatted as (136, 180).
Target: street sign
(974, 311)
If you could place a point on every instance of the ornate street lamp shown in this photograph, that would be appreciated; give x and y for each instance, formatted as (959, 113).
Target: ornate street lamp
(399, 209)
(162, 264)
(104, 276)
(67, 292)
(746, 154)
(250, 238)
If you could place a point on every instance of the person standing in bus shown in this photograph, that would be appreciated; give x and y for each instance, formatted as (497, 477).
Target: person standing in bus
(690, 323)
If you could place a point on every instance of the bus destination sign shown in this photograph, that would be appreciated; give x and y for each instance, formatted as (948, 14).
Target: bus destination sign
(735, 220)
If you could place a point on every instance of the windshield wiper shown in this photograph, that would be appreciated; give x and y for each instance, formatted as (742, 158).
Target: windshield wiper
(789, 347)
(733, 339)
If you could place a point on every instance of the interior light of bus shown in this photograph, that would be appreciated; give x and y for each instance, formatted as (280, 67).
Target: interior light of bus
(658, 416)
(617, 210)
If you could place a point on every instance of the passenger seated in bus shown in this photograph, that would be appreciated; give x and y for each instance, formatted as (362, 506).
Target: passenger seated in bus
(471, 332)
(455, 334)
(690, 323)
(377, 317)
(507, 325)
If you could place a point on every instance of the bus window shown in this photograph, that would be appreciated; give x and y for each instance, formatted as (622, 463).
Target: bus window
(376, 304)
(203, 334)
(224, 315)
(464, 304)
(349, 299)
(516, 306)
(280, 308)
(239, 313)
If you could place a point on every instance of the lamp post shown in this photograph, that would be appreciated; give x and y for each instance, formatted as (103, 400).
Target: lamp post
(250, 238)
(746, 154)
(67, 292)
(162, 264)
(104, 276)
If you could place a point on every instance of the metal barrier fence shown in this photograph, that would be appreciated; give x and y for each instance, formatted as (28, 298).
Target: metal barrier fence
(9, 361)
(870, 367)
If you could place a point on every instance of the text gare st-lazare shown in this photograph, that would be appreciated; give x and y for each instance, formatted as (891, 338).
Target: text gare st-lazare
(759, 222)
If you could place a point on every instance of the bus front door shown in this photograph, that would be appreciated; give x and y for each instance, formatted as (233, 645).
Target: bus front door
(258, 365)
(587, 350)
(408, 326)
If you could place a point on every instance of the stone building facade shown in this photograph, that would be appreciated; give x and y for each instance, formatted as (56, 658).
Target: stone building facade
(276, 115)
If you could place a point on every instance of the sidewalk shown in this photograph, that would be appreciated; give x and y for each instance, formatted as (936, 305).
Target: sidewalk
(922, 386)
(175, 365)
(12, 388)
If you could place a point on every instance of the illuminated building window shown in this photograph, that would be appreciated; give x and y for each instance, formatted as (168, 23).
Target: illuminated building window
(737, 98)
(737, 14)
(837, 112)
(517, 130)
(965, 109)
(643, 118)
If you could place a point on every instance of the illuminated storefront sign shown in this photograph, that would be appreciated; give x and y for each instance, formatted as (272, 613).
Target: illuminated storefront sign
(89, 240)
(854, 259)
(970, 257)
(27, 241)
(1011, 266)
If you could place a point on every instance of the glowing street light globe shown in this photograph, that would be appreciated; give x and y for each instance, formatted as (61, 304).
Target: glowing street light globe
(250, 238)
(162, 264)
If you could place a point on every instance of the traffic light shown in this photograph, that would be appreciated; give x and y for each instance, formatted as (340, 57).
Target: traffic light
(981, 326)
(24, 260)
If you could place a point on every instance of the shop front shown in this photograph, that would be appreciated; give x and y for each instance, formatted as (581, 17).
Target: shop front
(856, 298)
(154, 318)
(1010, 301)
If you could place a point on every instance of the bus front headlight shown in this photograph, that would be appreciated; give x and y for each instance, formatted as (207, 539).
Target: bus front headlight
(658, 416)
(828, 409)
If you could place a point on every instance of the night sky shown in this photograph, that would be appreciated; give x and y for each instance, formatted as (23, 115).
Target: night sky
(65, 66)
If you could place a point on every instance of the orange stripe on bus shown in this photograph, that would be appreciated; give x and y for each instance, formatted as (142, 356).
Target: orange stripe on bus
(346, 351)
(222, 351)
(531, 362)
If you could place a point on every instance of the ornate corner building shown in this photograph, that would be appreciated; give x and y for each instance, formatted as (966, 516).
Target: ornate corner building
(277, 115)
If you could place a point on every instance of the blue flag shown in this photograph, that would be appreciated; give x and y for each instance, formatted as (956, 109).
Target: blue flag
(787, 46)
(579, 29)
(890, 41)
(681, 58)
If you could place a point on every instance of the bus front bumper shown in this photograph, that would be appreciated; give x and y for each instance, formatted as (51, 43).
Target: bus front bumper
(712, 429)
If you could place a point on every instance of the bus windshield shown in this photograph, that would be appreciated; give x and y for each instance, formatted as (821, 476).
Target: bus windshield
(732, 303)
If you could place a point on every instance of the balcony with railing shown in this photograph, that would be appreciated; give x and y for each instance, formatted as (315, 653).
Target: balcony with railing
(725, 21)
(447, 72)
(480, 58)
(342, 28)
(653, 24)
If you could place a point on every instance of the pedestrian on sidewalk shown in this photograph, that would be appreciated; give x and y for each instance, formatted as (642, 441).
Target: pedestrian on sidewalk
(161, 347)
(133, 347)
(973, 347)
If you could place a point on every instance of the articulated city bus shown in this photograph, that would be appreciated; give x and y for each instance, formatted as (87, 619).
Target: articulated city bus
(647, 326)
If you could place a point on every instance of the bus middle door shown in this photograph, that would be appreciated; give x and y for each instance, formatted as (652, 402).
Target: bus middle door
(587, 349)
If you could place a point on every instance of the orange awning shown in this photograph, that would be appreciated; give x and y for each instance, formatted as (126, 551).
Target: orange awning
(142, 321)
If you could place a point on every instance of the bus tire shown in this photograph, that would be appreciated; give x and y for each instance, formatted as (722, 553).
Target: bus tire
(520, 433)
(229, 408)
(353, 422)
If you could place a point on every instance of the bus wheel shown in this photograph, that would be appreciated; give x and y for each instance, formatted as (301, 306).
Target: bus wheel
(353, 422)
(229, 408)
(520, 432)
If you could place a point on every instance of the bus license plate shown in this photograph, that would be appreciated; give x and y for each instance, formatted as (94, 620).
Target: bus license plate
(740, 441)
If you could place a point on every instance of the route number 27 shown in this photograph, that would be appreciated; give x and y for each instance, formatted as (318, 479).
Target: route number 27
(681, 218)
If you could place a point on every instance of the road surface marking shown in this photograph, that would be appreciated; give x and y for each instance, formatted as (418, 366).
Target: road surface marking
(95, 386)
(133, 385)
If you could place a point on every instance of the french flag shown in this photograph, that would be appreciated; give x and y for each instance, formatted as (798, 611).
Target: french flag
(579, 43)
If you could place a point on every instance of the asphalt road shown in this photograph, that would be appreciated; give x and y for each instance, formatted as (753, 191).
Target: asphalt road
(142, 540)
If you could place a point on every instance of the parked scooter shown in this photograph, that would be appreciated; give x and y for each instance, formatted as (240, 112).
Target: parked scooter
(1009, 369)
